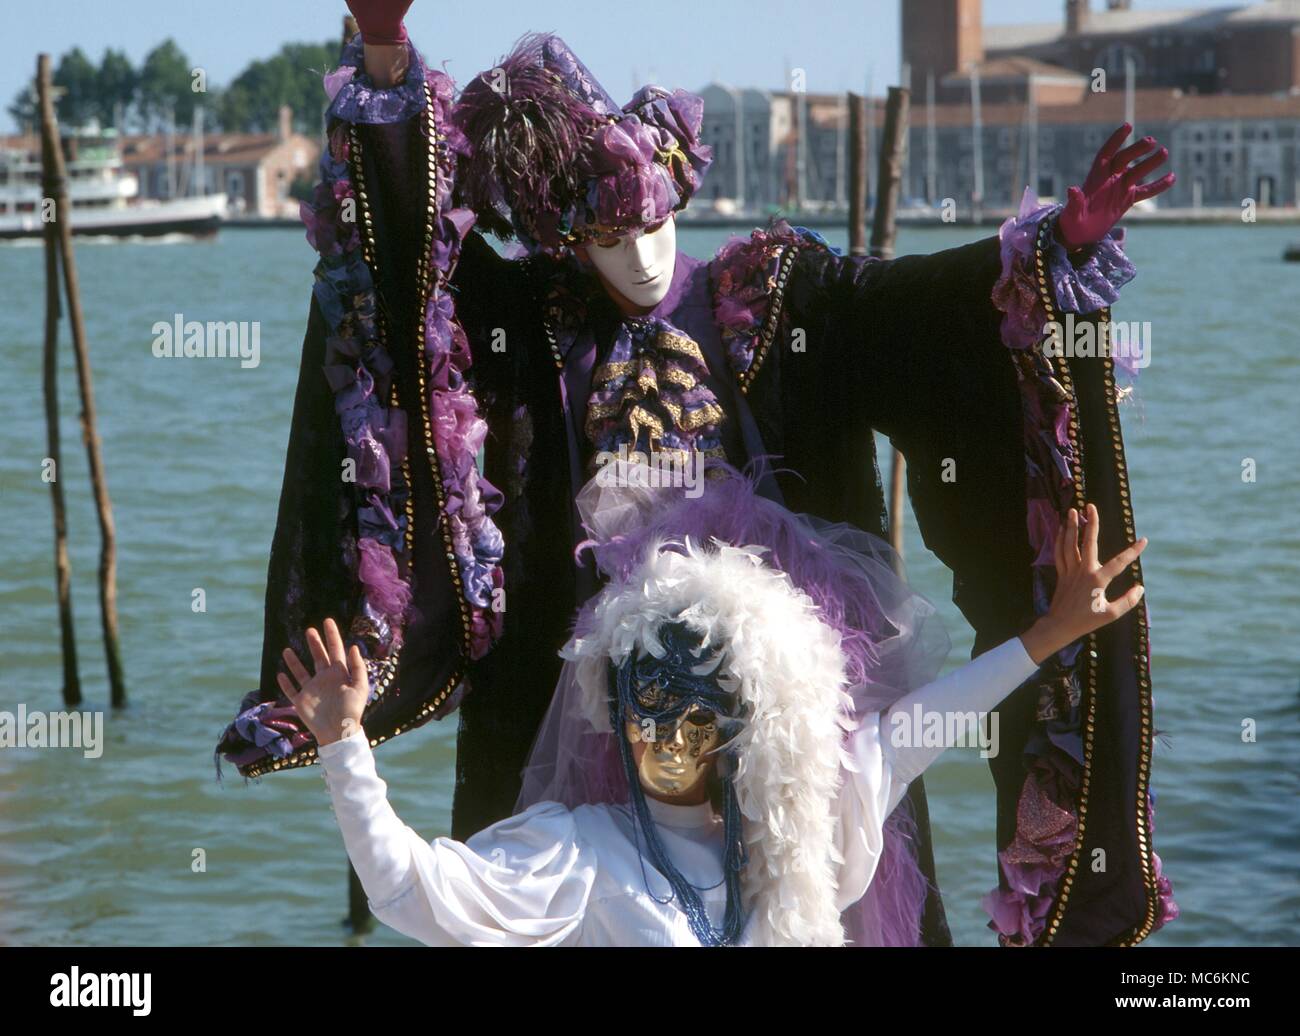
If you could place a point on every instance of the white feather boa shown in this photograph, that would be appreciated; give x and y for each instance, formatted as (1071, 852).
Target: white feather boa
(791, 673)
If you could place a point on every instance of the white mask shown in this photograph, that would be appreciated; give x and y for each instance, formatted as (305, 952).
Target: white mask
(638, 263)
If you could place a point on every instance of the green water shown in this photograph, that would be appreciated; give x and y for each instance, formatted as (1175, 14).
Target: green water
(99, 851)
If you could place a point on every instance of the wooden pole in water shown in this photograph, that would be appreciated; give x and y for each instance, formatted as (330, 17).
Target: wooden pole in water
(56, 178)
(62, 568)
(857, 174)
(889, 176)
(360, 919)
(893, 146)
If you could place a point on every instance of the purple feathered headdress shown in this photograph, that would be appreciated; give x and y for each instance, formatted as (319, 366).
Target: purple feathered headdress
(554, 161)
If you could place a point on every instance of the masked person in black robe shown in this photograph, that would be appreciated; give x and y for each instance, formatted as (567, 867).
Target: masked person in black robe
(427, 352)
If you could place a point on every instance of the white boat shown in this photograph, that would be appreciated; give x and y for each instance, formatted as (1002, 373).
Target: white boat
(105, 198)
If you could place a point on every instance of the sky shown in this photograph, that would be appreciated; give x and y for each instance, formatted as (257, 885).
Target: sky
(840, 45)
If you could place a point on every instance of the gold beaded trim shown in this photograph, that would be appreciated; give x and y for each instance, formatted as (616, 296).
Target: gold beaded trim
(1145, 848)
(382, 672)
(768, 333)
(1064, 380)
(549, 314)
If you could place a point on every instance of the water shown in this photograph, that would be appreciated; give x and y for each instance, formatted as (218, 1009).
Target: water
(100, 851)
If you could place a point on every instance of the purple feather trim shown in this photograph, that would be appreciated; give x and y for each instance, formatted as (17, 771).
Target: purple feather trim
(551, 160)
(1034, 863)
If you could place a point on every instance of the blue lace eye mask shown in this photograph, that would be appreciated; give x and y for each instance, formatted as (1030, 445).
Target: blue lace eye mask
(664, 689)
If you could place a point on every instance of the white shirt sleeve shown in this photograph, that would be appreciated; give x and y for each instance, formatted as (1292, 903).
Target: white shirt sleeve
(882, 770)
(977, 687)
(522, 881)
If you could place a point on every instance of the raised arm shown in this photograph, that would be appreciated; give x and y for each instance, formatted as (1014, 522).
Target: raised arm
(383, 35)
(889, 750)
(523, 881)
(384, 520)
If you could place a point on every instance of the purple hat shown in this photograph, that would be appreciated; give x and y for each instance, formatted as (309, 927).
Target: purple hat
(549, 147)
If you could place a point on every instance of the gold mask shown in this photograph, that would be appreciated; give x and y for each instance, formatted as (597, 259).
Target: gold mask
(674, 760)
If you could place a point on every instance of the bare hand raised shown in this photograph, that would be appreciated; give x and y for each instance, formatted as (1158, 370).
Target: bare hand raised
(331, 700)
(1079, 604)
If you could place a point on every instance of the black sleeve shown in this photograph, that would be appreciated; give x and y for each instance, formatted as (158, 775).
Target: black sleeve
(912, 347)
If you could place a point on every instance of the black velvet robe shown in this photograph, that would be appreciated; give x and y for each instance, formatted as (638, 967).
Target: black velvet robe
(909, 347)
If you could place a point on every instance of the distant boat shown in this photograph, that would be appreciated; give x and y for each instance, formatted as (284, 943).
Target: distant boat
(1292, 253)
(104, 197)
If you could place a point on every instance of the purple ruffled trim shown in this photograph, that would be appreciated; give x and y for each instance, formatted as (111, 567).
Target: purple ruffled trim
(1033, 865)
(1092, 282)
(742, 276)
(1035, 861)
(355, 98)
(1166, 909)
(359, 371)
(458, 429)
(654, 386)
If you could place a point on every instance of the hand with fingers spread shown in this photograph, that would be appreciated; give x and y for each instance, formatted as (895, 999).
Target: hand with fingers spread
(1080, 605)
(331, 699)
(1114, 185)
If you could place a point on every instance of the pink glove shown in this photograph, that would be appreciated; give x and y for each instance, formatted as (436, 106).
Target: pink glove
(1112, 188)
(380, 21)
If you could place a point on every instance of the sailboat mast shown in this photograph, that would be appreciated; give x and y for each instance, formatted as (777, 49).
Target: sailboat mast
(841, 150)
(977, 125)
(198, 187)
(931, 142)
(1033, 138)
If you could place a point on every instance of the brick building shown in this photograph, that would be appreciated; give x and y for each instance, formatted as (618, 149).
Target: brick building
(1219, 86)
(1244, 48)
(254, 170)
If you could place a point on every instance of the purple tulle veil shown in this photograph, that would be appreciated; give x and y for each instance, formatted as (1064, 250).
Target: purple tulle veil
(892, 638)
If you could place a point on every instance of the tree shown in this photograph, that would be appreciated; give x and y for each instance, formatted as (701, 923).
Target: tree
(23, 108)
(76, 75)
(165, 83)
(252, 101)
(115, 87)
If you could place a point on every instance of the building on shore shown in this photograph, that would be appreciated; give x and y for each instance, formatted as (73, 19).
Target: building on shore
(254, 170)
(1219, 86)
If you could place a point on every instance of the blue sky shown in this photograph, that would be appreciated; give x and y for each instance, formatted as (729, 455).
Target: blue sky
(673, 42)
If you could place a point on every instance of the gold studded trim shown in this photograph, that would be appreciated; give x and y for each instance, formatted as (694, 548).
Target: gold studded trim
(1064, 382)
(767, 333)
(383, 671)
(1142, 650)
